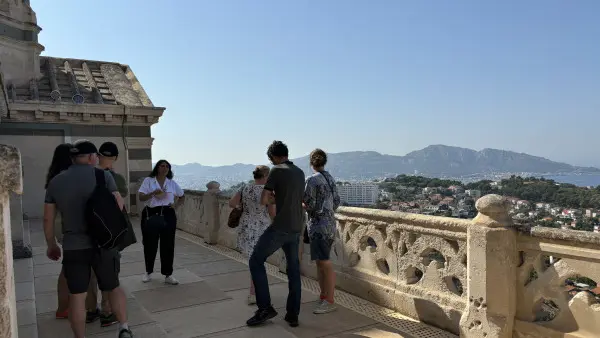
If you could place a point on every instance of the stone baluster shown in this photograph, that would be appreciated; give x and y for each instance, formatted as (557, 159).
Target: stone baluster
(492, 260)
(212, 217)
(11, 180)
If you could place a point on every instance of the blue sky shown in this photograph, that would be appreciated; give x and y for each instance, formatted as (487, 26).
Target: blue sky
(388, 75)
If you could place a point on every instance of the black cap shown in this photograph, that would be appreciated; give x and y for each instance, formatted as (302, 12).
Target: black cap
(109, 149)
(83, 148)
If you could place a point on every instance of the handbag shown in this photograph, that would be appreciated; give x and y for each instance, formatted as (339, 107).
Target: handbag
(236, 214)
(157, 221)
(129, 238)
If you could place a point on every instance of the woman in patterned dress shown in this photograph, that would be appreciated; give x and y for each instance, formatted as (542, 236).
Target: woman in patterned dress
(255, 216)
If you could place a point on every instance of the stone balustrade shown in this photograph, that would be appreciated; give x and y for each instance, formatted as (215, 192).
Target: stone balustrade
(477, 278)
(11, 181)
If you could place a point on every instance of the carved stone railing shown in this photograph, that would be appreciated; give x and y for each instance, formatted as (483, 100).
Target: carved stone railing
(11, 181)
(546, 306)
(478, 278)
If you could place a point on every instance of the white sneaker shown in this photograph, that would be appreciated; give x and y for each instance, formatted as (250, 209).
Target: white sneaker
(324, 307)
(146, 278)
(171, 281)
(251, 299)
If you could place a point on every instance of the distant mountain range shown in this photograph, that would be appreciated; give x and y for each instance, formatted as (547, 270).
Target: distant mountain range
(434, 160)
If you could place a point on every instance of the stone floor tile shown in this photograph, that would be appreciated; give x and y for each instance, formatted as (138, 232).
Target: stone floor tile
(235, 280)
(204, 319)
(142, 331)
(46, 302)
(50, 327)
(134, 283)
(37, 238)
(184, 259)
(26, 312)
(136, 315)
(216, 268)
(45, 284)
(41, 259)
(279, 293)
(137, 268)
(265, 331)
(23, 269)
(312, 325)
(373, 331)
(24, 291)
(28, 331)
(173, 297)
(47, 270)
(39, 250)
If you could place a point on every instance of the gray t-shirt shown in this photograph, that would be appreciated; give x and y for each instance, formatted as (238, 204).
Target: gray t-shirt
(70, 191)
(287, 181)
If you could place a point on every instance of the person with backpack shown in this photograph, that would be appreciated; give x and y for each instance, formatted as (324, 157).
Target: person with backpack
(108, 155)
(81, 193)
(162, 196)
(321, 199)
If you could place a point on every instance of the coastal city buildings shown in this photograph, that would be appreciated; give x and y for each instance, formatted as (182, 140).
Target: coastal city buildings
(359, 193)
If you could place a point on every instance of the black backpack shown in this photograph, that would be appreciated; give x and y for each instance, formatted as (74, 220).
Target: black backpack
(107, 224)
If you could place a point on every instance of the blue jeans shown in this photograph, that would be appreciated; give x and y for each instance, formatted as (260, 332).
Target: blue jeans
(270, 241)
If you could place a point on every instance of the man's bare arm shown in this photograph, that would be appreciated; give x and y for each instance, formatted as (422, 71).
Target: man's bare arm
(49, 217)
(119, 199)
(267, 197)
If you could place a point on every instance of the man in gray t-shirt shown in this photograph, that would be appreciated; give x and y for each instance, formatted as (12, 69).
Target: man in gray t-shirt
(68, 194)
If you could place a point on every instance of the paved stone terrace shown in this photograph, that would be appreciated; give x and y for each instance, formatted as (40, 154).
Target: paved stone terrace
(209, 302)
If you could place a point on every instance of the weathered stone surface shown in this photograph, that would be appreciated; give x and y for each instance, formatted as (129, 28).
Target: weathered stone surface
(493, 211)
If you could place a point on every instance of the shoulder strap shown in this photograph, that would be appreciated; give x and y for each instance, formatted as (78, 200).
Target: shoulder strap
(100, 179)
(328, 183)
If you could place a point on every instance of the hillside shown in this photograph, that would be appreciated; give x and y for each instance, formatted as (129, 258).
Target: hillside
(434, 160)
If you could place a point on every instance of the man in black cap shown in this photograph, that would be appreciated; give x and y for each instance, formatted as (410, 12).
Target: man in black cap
(108, 155)
(68, 194)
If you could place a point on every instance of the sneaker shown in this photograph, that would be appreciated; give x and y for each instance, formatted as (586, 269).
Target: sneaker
(291, 319)
(324, 307)
(251, 299)
(108, 320)
(146, 278)
(261, 316)
(92, 316)
(62, 315)
(125, 333)
(171, 281)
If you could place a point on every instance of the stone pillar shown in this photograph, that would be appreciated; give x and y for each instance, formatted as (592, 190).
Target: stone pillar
(20, 234)
(492, 260)
(212, 212)
(11, 180)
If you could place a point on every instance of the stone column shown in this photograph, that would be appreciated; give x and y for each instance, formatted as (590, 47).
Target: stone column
(20, 234)
(492, 260)
(210, 204)
(11, 180)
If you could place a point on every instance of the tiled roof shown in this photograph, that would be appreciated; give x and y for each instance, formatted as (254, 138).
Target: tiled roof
(83, 81)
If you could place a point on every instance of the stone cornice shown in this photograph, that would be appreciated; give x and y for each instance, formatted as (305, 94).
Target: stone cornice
(139, 142)
(94, 114)
(21, 45)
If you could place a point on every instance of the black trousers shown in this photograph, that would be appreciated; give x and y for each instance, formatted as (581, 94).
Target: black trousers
(165, 235)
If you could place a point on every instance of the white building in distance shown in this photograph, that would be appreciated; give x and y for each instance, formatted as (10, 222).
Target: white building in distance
(359, 193)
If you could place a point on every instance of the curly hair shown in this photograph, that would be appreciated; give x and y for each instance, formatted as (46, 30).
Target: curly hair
(277, 149)
(318, 158)
(154, 172)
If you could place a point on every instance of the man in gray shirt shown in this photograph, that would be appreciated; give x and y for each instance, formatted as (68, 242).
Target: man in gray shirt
(285, 189)
(68, 194)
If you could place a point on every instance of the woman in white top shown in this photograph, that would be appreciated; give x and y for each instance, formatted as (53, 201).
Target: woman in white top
(255, 216)
(161, 196)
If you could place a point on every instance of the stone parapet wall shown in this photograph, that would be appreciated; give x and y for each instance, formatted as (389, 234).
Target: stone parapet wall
(478, 278)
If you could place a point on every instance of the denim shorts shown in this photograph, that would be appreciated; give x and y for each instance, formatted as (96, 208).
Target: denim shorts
(320, 247)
